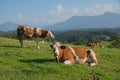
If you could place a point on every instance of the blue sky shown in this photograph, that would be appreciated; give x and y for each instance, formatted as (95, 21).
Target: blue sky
(46, 12)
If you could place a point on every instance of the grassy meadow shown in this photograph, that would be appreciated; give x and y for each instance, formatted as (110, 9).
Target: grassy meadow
(30, 63)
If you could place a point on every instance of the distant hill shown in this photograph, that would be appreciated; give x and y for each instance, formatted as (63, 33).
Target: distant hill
(101, 34)
(106, 20)
(8, 26)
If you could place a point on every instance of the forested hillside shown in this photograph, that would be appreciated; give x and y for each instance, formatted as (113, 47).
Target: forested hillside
(79, 37)
(84, 36)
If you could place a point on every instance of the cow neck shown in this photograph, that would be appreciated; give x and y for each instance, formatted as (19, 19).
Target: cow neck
(43, 33)
(61, 54)
(74, 53)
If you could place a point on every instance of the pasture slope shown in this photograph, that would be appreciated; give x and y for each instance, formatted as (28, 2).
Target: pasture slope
(30, 63)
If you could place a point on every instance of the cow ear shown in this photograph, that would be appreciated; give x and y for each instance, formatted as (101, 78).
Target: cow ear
(88, 51)
(63, 47)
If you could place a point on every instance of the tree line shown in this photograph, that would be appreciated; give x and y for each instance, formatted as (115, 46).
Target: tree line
(81, 37)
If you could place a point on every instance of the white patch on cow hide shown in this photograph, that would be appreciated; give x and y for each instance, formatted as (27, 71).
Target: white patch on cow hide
(49, 34)
(67, 62)
(77, 57)
(37, 30)
(56, 49)
(27, 27)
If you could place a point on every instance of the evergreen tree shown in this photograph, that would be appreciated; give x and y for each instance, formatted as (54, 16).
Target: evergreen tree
(115, 40)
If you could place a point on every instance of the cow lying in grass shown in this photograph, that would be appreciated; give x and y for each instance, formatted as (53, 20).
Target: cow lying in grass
(74, 54)
(95, 45)
(29, 33)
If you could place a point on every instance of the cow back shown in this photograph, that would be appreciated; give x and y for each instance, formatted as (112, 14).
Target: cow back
(29, 32)
(67, 54)
(81, 52)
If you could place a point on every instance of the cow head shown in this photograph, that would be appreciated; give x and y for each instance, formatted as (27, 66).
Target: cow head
(56, 46)
(21, 30)
(49, 34)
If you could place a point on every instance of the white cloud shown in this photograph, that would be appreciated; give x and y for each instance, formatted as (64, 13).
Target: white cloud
(73, 11)
(23, 20)
(99, 9)
(57, 11)
(60, 14)
(54, 16)
(103, 8)
(59, 8)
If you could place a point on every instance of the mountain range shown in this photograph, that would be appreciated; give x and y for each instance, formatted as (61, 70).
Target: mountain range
(8, 26)
(106, 20)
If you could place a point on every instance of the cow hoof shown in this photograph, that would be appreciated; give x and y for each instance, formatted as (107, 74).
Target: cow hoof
(67, 62)
(93, 64)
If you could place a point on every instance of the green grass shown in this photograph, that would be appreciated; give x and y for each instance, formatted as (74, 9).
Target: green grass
(30, 63)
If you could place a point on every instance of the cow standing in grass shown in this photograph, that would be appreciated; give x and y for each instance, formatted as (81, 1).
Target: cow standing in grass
(29, 33)
(74, 54)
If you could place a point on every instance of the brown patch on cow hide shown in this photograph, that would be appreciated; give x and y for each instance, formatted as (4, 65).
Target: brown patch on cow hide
(43, 33)
(80, 51)
(29, 32)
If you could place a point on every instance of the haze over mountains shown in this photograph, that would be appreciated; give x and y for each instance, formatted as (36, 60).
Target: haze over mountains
(8, 26)
(106, 20)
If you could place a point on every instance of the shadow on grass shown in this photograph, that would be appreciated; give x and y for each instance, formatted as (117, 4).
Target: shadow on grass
(36, 60)
(19, 47)
(26, 47)
(11, 46)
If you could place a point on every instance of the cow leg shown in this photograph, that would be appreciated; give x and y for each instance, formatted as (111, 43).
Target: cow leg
(21, 43)
(82, 61)
(37, 41)
(56, 59)
(67, 62)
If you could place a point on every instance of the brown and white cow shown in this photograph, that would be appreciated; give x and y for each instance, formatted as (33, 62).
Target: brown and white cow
(95, 45)
(74, 54)
(27, 32)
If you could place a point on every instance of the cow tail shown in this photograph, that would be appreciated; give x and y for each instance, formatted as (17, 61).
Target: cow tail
(91, 54)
